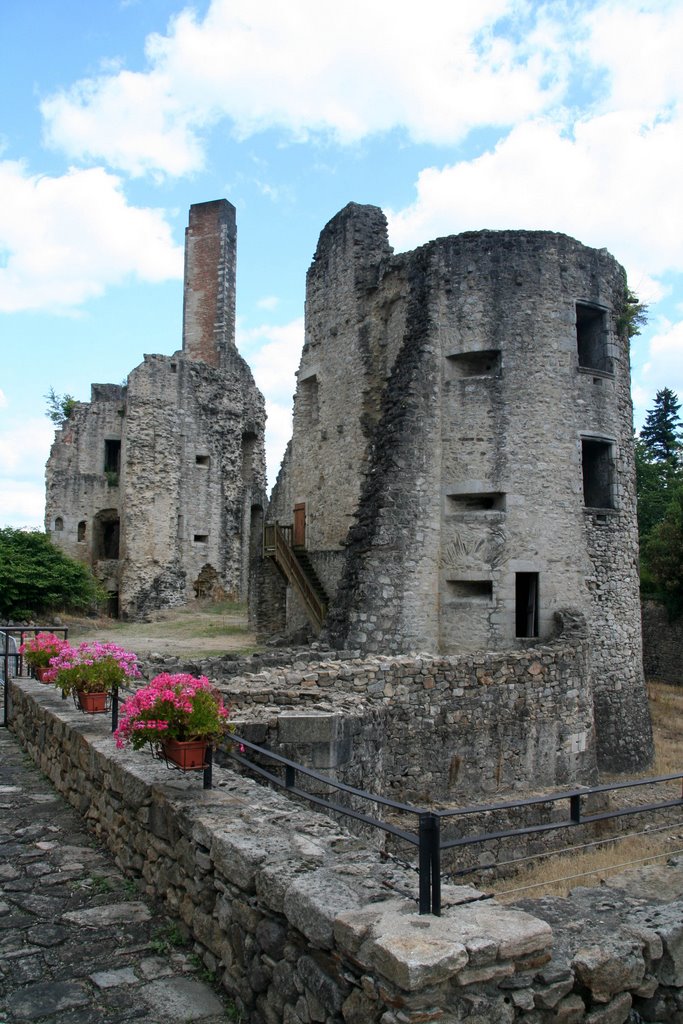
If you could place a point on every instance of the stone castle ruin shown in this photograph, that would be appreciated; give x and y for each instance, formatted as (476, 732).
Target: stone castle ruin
(460, 482)
(461, 466)
(155, 483)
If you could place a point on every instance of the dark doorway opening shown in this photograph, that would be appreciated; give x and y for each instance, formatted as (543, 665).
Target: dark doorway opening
(526, 604)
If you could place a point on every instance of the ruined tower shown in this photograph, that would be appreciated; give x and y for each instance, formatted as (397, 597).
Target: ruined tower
(461, 465)
(155, 484)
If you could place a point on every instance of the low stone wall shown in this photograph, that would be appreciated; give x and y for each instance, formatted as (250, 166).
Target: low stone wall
(662, 644)
(304, 923)
(456, 729)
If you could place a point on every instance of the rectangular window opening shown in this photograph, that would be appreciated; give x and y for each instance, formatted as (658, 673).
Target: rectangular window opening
(202, 460)
(597, 463)
(526, 604)
(201, 538)
(474, 364)
(483, 501)
(308, 399)
(479, 591)
(112, 459)
(591, 338)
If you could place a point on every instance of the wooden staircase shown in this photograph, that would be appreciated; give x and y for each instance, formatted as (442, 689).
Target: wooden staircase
(297, 569)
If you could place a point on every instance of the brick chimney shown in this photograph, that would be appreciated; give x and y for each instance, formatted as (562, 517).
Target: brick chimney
(209, 290)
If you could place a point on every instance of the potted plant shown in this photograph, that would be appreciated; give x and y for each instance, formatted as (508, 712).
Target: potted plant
(38, 650)
(91, 671)
(178, 715)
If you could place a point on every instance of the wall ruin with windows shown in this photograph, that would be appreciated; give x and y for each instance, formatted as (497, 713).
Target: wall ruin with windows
(462, 446)
(154, 481)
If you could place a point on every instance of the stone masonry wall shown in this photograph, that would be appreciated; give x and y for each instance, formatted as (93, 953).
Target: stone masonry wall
(303, 923)
(478, 475)
(662, 644)
(428, 729)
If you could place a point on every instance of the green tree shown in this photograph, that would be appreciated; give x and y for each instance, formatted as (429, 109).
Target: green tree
(37, 578)
(661, 435)
(59, 407)
(663, 556)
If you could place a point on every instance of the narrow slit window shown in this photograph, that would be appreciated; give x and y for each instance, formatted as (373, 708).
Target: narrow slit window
(591, 338)
(526, 604)
(81, 530)
(597, 464)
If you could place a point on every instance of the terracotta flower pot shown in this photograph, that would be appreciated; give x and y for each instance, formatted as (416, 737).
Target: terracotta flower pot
(40, 675)
(186, 754)
(92, 703)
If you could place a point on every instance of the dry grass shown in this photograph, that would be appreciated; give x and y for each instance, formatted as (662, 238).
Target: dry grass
(557, 874)
(196, 630)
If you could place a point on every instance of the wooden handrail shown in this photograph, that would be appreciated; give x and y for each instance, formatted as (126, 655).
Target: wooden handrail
(277, 542)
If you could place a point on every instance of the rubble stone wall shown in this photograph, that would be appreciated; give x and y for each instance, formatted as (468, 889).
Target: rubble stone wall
(462, 435)
(431, 729)
(304, 923)
(662, 644)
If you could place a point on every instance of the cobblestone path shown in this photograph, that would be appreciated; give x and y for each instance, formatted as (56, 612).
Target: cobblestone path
(78, 944)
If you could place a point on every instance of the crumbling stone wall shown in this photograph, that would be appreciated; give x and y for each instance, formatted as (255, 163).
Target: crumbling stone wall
(302, 922)
(662, 644)
(456, 729)
(190, 479)
(462, 445)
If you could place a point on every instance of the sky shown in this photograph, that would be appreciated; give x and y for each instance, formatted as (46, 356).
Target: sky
(117, 115)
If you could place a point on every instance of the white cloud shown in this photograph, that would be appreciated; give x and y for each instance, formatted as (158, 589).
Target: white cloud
(306, 67)
(23, 504)
(24, 448)
(268, 302)
(65, 239)
(273, 352)
(614, 184)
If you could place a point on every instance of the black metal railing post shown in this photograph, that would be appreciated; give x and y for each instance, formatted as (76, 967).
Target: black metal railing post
(575, 808)
(208, 768)
(430, 864)
(114, 708)
(290, 776)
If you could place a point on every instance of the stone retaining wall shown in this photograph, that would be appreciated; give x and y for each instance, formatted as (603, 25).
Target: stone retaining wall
(662, 644)
(304, 923)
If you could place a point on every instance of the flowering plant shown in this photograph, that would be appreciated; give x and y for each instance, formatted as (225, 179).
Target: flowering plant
(172, 707)
(92, 668)
(40, 648)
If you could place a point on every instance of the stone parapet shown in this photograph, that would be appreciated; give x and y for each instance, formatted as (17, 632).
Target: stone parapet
(305, 923)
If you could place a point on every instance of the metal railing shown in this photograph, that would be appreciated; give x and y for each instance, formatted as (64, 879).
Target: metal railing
(10, 633)
(277, 542)
(427, 837)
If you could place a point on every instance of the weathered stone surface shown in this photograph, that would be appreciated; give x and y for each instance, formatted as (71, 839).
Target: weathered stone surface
(609, 969)
(179, 1000)
(313, 902)
(36, 1001)
(113, 913)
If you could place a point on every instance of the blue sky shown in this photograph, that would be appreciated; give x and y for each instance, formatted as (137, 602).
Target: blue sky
(117, 115)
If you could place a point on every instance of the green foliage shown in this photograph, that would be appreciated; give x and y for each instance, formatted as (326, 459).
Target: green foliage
(37, 578)
(633, 315)
(166, 939)
(663, 556)
(59, 407)
(661, 435)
